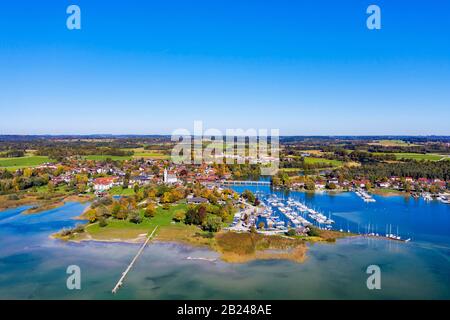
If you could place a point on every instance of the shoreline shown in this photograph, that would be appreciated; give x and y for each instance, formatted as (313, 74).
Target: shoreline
(232, 247)
(376, 191)
(40, 205)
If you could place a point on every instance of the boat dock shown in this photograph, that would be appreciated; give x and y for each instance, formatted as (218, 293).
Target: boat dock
(124, 274)
(364, 195)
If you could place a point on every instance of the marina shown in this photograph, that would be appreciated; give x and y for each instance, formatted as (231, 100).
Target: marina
(281, 211)
(282, 214)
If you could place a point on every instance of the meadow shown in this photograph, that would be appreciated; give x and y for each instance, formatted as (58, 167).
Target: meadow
(392, 143)
(332, 163)
(119, 191)
(103, 157)
(416, 156)
(126, 230)
(419, 156)
(23, 162)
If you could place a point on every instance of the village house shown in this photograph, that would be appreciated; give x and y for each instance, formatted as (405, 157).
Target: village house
(103, 184)
(196, 200)
(384, 184)
(141, 180)
(320, 185)
(334, 181)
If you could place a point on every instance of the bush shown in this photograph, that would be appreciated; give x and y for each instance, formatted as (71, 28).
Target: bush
(208, 235)
(313, 232)
(166, 206)
(79, 228)
(105, 201)
(135, 217)
(213, 223)
(195, 215)
(65, 232)
(102, 222)
(150, 211)
(331, 186)
(13, 197)
(103, 211)
(91, 215)
(291, 232)
(179, 215)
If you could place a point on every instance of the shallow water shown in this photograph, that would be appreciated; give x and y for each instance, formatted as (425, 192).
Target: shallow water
(33, 266)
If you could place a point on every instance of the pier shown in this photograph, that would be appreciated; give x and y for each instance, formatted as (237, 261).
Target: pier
(248, 182)
(124, 274)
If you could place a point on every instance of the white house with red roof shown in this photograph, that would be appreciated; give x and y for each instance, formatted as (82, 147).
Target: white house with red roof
(104, 183)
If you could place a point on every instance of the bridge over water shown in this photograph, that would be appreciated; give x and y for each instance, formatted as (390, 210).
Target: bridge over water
(245, 182)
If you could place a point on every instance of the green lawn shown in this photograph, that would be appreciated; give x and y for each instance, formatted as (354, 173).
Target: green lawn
(124, 229)
(101, 157)
(119, 191)
(23, 162)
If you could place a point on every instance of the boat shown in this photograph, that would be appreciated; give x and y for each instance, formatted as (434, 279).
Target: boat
(444, 199)
(200, 258)
(427, 197)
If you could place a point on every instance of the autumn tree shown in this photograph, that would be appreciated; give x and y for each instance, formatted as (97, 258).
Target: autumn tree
(150, 211)
(91, 215)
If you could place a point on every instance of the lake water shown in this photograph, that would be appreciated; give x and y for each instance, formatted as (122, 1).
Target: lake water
(33, 266)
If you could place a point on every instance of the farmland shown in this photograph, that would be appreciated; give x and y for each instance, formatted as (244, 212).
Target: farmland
(22, 162)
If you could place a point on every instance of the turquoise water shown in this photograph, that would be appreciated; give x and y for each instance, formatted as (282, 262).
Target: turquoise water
(33, 266)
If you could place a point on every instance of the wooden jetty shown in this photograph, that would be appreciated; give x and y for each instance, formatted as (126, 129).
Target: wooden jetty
(124, 274)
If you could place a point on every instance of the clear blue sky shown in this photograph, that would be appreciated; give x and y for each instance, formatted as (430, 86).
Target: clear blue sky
(151, 66)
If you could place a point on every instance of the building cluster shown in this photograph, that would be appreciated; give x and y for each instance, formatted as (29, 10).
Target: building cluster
(394, 183)
(102, 176)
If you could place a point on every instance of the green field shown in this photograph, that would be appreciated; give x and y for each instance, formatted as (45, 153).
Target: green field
(291, 169)
(416, 156)
(392, 143)
(148, 154)
(23, 162)
(419, 156)
(103, 157)
(332, 163)
(151, 155)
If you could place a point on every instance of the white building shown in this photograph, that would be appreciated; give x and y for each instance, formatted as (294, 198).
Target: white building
(169, 178)
(104, 184)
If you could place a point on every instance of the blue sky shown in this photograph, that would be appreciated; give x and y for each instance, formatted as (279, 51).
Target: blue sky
(148, 67)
